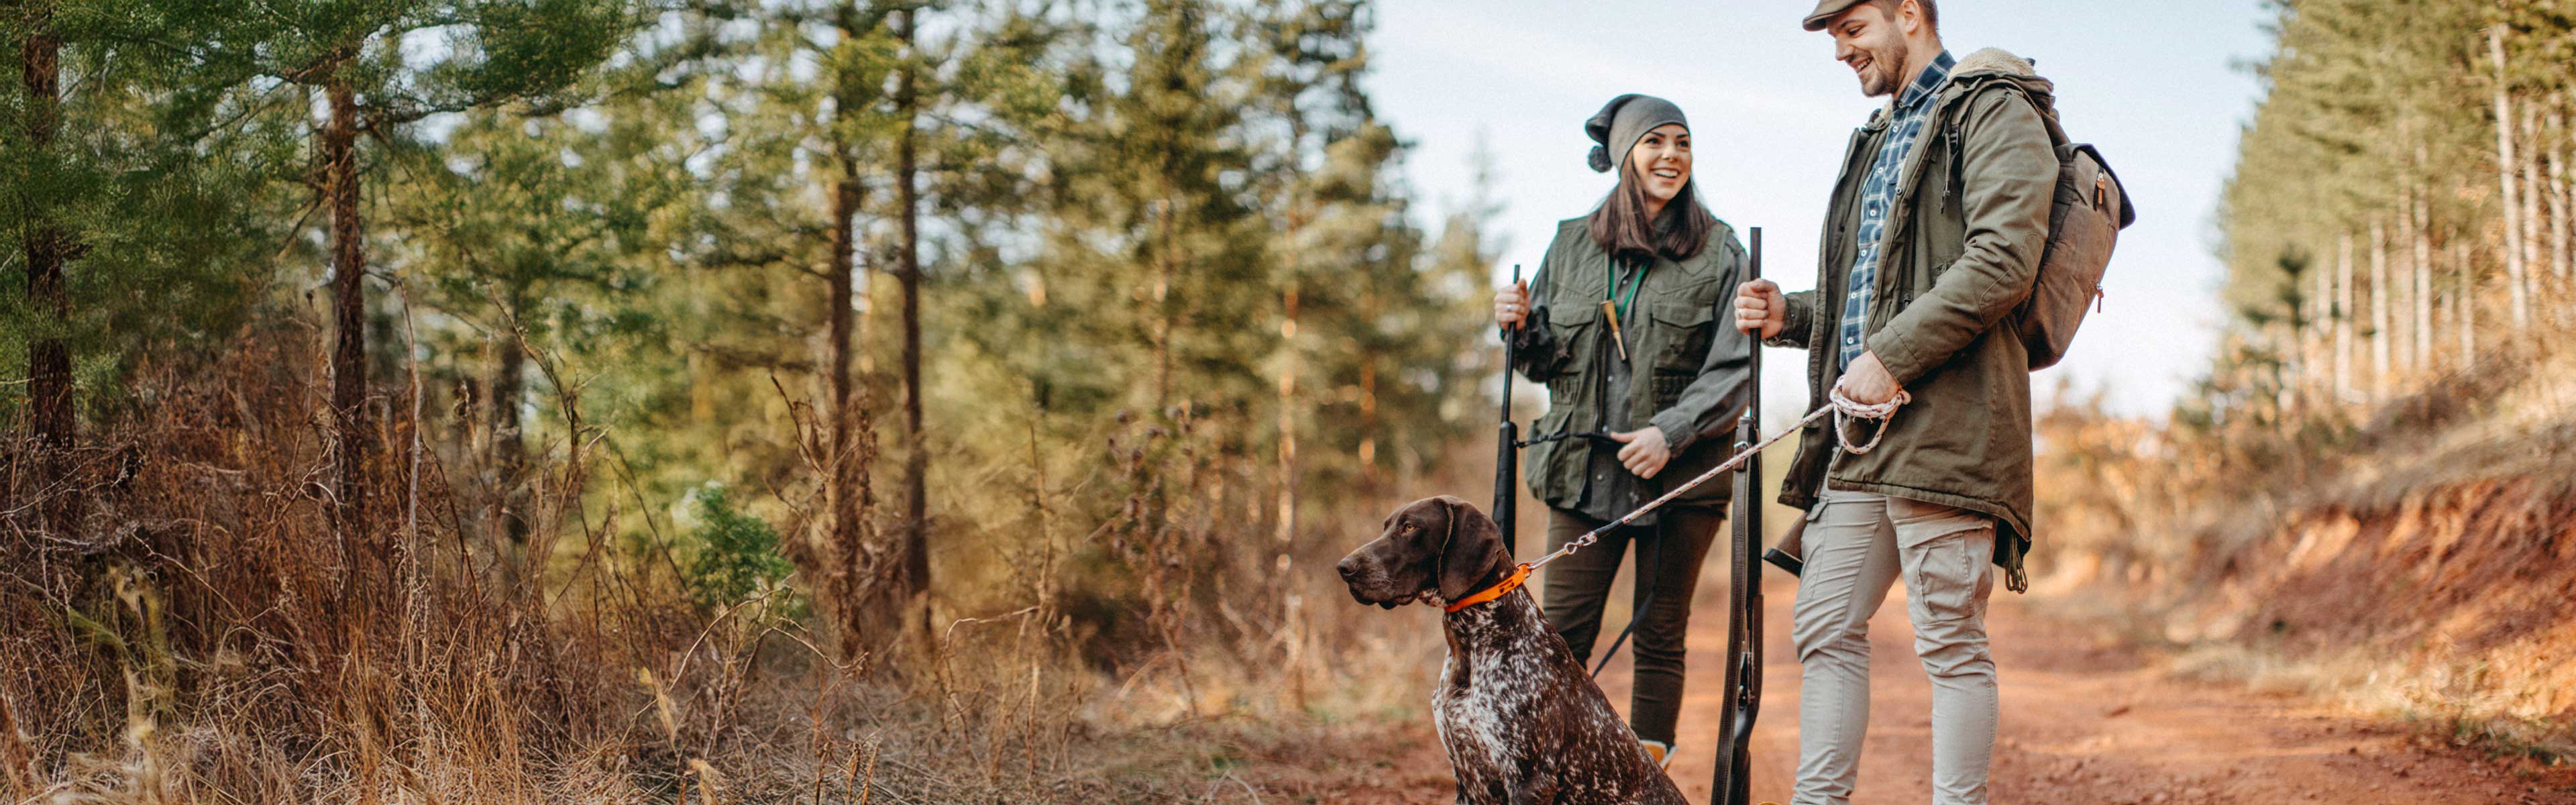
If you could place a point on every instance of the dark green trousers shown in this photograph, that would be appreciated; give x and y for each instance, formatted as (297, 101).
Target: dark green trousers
(1671, 550)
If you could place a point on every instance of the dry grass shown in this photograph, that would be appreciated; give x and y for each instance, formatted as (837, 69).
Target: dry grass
(211, 634)
(2409, 560)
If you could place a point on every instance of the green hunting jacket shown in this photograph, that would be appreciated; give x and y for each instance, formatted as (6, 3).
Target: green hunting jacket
(1962, 249)
(1686, 372)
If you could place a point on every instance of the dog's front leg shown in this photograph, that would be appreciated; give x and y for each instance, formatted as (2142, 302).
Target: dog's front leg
(1541, 771)
(1538, 787)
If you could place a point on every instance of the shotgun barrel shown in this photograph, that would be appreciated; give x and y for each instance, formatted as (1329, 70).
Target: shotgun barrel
(1506, 450)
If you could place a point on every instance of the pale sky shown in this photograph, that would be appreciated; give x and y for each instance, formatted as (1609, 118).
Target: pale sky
(2152, 84)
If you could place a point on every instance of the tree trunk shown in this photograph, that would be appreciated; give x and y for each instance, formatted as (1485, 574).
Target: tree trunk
(2401, 302)
(1368, 396)
(845, 493)
(509, 451)
(348, 321)
(2422, 348)
(1287, 500)
(2343, 318)
(841, 408)
(916, 463)
(2379, 374)
(2505, 163)
(53, 419)
(2319, 365)
(2533, 223)
(2561, 261)
(2467, 315)
(2284, 336)
(1166, 269)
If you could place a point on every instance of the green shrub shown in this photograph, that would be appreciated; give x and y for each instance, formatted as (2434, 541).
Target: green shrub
(736, 558)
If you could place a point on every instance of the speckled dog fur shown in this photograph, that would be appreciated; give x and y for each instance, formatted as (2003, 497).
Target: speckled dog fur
(1522, 721)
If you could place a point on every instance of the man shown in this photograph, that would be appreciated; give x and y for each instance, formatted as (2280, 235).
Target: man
(1932, 238)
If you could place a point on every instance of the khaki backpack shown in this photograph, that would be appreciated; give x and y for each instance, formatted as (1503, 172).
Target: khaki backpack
(2084, 223)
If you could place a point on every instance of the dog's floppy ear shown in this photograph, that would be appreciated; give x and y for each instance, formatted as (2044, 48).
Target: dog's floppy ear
(1475, 549)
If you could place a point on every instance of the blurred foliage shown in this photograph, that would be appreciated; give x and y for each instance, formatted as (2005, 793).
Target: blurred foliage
(734, 559)
(1181, 318)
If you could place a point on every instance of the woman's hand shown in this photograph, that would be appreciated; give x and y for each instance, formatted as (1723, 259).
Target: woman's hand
(1511, 305)
(1759, 306)
(1645, 451)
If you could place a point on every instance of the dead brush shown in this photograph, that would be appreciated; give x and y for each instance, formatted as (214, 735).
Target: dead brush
(209, 634)
(227, 641)
(2404, 557)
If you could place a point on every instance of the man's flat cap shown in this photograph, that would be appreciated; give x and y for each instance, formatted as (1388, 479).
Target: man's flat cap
(1826, 10)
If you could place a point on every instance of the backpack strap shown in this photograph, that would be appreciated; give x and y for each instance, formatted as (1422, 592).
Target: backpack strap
(1955, 140)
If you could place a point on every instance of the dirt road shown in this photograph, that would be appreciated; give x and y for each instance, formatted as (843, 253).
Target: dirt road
(2085, 720)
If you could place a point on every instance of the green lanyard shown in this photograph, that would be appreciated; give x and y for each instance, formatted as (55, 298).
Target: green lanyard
(1610, 273)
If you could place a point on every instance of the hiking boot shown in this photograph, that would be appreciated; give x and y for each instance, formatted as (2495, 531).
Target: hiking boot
(1658, 752)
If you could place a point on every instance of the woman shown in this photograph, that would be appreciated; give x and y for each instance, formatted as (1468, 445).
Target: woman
(1643, 383)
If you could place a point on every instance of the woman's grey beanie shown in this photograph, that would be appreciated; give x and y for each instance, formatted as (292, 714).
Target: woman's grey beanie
(1623, 122)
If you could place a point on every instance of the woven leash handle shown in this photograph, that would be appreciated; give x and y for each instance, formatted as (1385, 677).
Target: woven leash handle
(1846, 409)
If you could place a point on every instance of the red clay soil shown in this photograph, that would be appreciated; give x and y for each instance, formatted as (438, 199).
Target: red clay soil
(2085, 720)
(2468, 580)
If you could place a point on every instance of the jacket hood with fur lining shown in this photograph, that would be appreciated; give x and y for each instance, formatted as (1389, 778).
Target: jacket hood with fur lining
(1995, 61)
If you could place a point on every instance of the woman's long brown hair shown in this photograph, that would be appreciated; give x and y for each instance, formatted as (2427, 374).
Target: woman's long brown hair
(1621, 227)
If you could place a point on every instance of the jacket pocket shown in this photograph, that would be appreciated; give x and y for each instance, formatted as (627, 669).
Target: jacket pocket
(1682, 329)
(1668, 388)
(1571, 329)
(1554, 469)
(1681, 336)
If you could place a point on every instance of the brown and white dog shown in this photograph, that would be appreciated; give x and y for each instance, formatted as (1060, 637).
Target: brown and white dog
(1522, 721)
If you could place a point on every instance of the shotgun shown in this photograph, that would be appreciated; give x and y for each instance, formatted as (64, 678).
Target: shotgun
(1507, 446)
(1743, 689)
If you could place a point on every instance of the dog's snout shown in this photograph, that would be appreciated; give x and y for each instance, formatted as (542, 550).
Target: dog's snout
(1349, 567)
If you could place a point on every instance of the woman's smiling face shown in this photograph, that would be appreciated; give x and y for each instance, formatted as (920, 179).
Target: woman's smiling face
(1662, 162)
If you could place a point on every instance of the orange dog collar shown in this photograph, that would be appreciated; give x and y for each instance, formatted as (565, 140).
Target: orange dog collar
(1512, 582)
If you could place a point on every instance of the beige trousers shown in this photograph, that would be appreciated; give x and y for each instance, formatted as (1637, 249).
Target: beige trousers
(1857, 545)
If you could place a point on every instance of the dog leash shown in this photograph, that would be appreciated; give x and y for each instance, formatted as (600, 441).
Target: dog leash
(1843, 409)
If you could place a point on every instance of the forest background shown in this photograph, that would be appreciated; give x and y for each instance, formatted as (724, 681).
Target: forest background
(594, 399)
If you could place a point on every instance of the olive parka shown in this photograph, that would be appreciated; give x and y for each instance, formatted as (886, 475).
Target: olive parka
(1687, 371)
(1961, 250)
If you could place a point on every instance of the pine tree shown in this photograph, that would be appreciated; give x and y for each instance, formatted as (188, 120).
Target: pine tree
(2378, 119)
(500, 54)
(915, 576)
(110, 190)
(526, 232)
(46, 247)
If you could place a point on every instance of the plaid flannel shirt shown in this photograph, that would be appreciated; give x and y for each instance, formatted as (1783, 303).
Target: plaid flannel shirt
(1878, 193)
